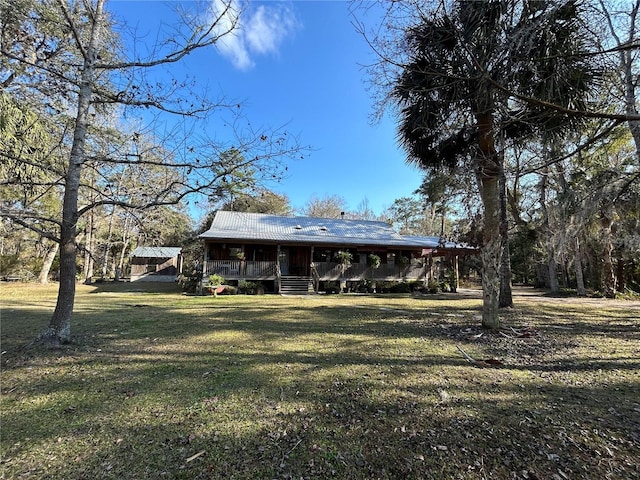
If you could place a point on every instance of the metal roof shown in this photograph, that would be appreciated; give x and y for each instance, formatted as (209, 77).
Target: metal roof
(156, 252)
(330, 231)
(422, 240)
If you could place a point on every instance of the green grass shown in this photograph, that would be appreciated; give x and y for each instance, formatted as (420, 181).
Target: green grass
(161, 385)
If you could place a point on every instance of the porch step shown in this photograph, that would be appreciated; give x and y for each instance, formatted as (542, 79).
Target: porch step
(290, 285)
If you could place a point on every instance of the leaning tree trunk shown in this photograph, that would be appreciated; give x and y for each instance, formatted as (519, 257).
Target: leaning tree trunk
(59, 329)
(489, 173)
(43, 278)
(506, 295)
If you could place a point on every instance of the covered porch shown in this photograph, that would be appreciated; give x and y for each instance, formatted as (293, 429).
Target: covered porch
(309, 266)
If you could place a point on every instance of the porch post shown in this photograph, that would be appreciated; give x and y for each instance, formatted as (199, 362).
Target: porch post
(313, 275)
(242, 270)
(206, 258)
(455, 273)
(278, 258)
(204, 268)
(278, 273)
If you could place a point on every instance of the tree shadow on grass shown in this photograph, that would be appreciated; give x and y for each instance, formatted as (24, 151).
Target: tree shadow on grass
(316, 391)
(136, 287)
(319, 426)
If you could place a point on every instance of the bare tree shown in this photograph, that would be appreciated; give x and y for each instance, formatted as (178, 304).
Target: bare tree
(67, 55)
(329, 206)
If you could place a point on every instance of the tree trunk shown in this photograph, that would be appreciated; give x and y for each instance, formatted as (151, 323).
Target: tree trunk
(581, 290)
(491, 250)
(456, 274)
(566, 278)
(125, 243)
(609, 287)
(107, 247)
(88, 250)
(542, 273)
(621, 282)
(553, 271)
(43, 278)
(59, 329)
(489, 173)
(506, 296)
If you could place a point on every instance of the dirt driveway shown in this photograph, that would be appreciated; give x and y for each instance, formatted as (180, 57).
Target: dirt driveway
(539, 295)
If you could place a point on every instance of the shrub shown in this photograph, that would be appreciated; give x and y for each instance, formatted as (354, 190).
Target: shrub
(401, 287)
(331, 287)
(216, 279)
(189, 282)
(363, 286)
(250, 288)
(8, 263)
(433, 287)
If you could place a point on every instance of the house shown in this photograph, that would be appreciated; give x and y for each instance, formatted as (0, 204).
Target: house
(300, 254)
(156, 264)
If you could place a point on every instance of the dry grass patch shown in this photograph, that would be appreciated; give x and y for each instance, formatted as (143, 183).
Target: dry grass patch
(161, 385)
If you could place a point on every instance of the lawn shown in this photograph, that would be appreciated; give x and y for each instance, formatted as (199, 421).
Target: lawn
(162, 385)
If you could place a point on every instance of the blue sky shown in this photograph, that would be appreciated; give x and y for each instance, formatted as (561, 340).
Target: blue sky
(299, 64)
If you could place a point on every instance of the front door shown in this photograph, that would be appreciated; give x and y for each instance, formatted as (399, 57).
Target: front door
(283, 259)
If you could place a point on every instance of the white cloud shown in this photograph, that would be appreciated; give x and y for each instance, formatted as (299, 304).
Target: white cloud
(254, 31)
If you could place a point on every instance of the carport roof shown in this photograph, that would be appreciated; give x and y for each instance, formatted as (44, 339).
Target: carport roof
(156, 252)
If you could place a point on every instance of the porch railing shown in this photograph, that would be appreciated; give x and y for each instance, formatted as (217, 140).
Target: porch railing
(236, 269)
(359, 271)
(233, 269)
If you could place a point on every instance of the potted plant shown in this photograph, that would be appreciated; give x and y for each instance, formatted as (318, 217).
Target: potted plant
(344, 259)
(215, 285)
(373, 261)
